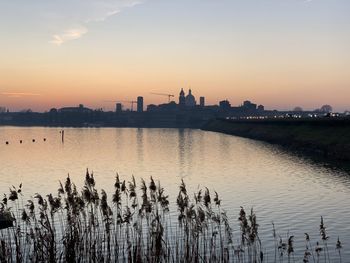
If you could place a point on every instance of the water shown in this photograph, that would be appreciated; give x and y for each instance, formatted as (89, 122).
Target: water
(291, 191)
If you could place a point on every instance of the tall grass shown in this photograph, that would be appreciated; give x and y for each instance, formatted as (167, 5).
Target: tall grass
(134, 225)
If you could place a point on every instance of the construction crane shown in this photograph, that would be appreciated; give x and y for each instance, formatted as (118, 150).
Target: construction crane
(164, 94)
(125, 101)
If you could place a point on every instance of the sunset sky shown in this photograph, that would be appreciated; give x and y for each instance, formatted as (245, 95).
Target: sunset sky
(279, 53)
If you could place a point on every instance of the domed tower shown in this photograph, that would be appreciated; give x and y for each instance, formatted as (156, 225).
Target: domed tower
(190, 99)
(182, 99)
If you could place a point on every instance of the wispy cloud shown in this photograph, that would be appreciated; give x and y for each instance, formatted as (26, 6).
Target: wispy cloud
(19, 94)
(67, 35)
(75, 16)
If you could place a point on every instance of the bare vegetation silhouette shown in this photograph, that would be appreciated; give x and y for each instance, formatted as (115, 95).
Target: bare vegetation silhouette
(135, 225)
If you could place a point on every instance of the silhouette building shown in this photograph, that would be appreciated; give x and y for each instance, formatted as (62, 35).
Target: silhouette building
(118, 107)
(182, 99)
(261, 108)
(202, 101)
(139, 104)
(225, 105)
(248, 105)
(79, 109)
(190, 99)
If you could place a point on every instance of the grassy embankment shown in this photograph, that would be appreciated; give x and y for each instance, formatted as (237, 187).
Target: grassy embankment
(329, 138)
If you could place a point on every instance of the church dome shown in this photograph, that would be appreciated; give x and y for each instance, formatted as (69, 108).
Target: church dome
(190, 99)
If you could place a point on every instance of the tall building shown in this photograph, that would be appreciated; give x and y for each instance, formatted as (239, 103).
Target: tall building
(202, 101)
(139, 104)
(190, 99)
(182, 99)
(118, 107)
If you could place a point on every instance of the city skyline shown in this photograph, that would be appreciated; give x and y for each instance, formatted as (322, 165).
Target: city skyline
(184, 101)
(281, 54)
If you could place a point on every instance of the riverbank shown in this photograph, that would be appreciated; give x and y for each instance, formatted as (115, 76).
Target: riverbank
(328, 138)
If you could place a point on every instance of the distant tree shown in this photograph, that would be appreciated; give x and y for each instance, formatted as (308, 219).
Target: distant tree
(2, 109)
(298, 109)
(326, 108)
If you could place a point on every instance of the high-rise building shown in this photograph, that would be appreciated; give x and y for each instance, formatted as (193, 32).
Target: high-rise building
(139, 104)
(118, 107)
(202, 101)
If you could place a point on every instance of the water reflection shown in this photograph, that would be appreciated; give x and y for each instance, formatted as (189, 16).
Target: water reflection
(139, 145)
(181, 151)
(290, 190)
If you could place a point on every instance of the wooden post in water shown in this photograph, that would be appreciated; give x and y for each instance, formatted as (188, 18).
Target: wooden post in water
(62, 133)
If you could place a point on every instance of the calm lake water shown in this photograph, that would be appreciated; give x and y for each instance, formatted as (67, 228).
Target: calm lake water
(291, 191)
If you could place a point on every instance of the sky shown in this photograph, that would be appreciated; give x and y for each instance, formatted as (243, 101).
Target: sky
(279, 53)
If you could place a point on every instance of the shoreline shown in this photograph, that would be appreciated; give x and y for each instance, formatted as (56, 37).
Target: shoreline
(324, 140)
(285, 133)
